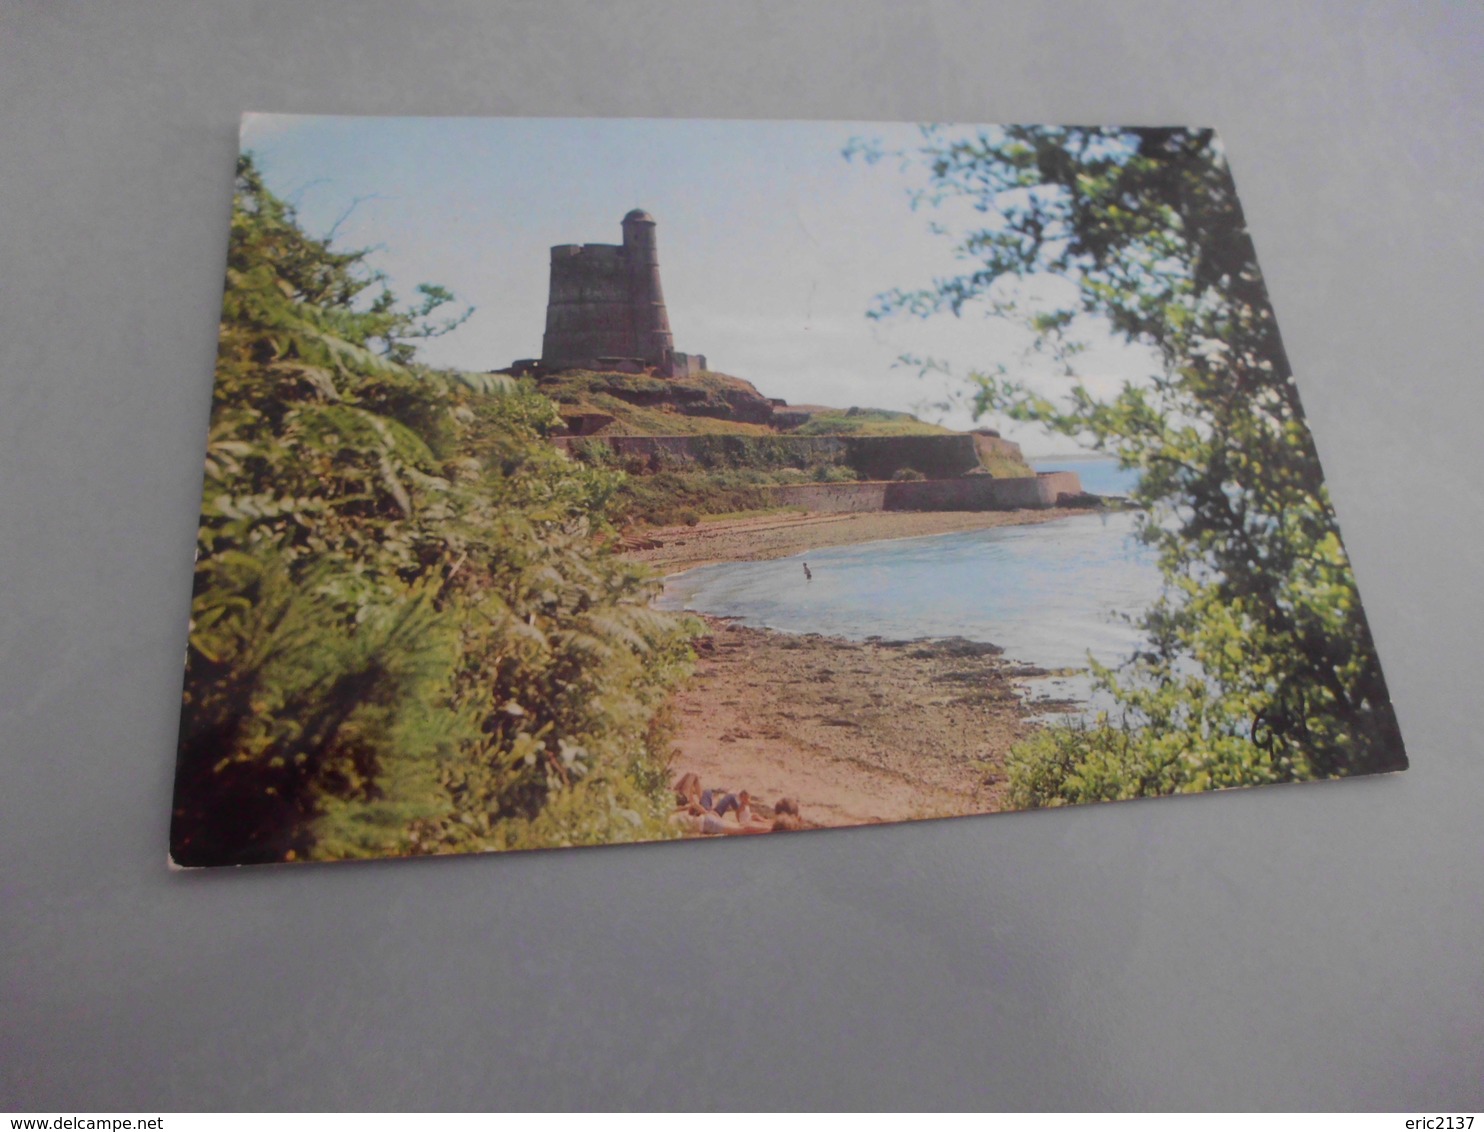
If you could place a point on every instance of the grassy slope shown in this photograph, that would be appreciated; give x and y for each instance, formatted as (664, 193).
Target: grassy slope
(682, 406)
(646, 420)
(867, 422)
(705, 403)
(708, 403)
(1003, 467)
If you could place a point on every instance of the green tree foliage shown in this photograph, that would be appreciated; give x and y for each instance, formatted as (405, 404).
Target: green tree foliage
(1259, 665)
(406, 634)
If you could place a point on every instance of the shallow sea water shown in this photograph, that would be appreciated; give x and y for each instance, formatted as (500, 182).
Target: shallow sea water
(1047, 593)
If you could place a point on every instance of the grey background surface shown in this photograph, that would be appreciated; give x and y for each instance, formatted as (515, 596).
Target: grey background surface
(1299, 947)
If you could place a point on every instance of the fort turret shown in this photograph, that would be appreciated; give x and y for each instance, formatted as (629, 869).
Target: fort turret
(652, 337)
(606, 308)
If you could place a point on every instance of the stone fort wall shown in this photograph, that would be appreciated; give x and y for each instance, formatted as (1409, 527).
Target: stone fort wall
(971, 493)
(948, 457)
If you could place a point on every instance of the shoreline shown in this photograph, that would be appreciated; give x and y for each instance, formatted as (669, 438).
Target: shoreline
(673, 550)
(851, 732)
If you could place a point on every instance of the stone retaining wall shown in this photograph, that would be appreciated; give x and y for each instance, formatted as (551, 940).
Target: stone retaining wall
(968, 493)
(944, 459)
(778, 451)
(870, 496)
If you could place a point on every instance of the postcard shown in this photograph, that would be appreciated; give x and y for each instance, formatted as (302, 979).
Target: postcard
(584, 482)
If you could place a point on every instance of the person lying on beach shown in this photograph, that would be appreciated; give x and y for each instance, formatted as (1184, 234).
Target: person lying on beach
(749, 821)
(712, 824)
(704, 811)
(744, 809)
(703, 819)
(739, 804)
(696, 820)
(688, 788)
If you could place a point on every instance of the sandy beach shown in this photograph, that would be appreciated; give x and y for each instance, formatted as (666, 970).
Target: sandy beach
(778, 535)
(854, 732)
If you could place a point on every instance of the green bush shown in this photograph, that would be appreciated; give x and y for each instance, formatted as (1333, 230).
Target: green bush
(671, 498)
(1259, 601)
(404, 635)
(595, 453)
(833, 473)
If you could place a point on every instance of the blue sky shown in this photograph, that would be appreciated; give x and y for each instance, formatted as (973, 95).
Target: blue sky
(772, 245)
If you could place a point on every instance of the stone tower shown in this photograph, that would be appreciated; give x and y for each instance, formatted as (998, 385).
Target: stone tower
(607, 310)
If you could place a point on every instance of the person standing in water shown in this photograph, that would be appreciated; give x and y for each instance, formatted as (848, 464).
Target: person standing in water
(808, 574)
